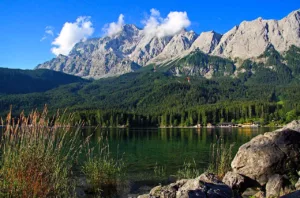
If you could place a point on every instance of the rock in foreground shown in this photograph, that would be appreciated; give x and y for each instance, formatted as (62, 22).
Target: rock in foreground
(268, 164)
(206, 185)
(269, 154)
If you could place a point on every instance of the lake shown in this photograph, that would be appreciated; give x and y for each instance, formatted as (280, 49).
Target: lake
(145, 149)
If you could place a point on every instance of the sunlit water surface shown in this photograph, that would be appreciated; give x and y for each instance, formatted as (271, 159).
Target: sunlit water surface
(144, 149)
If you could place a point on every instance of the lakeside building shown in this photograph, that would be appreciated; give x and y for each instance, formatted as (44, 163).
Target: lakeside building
(251, 124)
(227, 125)
(209, 125)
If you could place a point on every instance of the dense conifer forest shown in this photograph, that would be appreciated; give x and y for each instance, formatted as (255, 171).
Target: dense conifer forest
(264, 90)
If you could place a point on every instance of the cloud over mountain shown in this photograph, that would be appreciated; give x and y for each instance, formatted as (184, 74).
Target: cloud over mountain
(169, 26)
(72, 33)
(114, 27)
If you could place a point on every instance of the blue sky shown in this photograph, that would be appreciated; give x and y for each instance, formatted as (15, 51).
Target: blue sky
(23, 22)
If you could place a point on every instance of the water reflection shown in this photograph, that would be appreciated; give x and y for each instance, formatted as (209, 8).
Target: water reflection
(144, 148)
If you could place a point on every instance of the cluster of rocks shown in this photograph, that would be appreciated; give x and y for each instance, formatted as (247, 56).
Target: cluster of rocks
(264, 167)
(206, 185)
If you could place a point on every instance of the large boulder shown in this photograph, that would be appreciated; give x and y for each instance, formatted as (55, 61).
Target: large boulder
(294, 125)
(275, 152)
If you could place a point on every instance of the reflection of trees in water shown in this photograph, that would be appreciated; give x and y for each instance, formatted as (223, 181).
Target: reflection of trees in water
(169, 147)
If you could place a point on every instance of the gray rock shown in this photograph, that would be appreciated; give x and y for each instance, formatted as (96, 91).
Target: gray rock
(206, 185)
(274, 186)
(211, 191)
(259, 194)
(294, 125)
(156, 191)
(209, 178)
(196, 193)
(144, 196)
(207, 41)
(265, 155)
(251, 192)
(191, 184)
(238, 182)
(251, 38)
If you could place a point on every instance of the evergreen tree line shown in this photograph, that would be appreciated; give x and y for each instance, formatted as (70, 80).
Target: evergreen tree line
(238, 113)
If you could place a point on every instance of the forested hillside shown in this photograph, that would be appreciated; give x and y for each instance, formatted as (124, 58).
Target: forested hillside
(17, 81)
(267, 92)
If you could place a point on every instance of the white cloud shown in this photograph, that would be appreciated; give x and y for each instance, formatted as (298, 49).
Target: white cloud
(114, 27)
(43, 38)
(49, 31)
(172, 24)
(72, 33)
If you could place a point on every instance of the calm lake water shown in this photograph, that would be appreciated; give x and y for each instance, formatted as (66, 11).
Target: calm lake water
(144, 149)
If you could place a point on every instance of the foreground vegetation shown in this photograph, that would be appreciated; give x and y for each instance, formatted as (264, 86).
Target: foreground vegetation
(40, 158)
(221, 155)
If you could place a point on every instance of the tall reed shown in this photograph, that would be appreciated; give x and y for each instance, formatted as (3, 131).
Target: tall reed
(189, 170)
(102, 171)
(220, 158)
(37, 156)
(159, 171)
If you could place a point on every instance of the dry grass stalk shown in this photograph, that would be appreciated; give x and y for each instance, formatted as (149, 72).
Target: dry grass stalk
(37, 155)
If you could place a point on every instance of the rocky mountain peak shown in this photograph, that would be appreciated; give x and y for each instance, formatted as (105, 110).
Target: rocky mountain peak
(207, 41)
(251, 38)
(295, 13)
(179, 43)
(130, 30)
(132, 47)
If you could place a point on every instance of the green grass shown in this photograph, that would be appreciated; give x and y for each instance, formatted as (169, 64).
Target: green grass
(103, 172)
(189, 170)
(220, 162)
(220, 158)
(159, 171)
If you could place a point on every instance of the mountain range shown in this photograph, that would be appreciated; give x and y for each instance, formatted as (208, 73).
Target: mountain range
(132, 48)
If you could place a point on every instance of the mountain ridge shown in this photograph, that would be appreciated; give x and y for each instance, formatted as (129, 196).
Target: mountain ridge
(133, 48)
